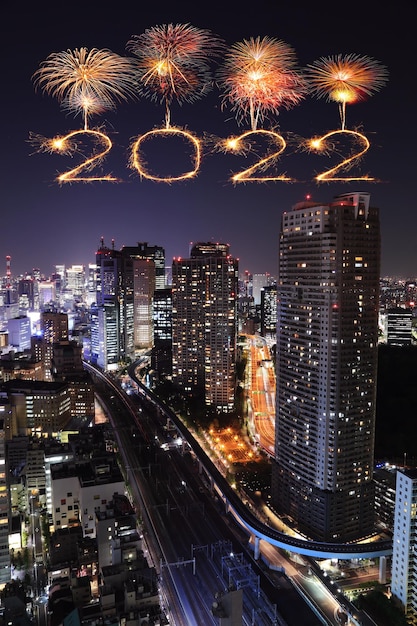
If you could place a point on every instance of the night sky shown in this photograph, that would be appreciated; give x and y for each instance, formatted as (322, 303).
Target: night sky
(44, 223)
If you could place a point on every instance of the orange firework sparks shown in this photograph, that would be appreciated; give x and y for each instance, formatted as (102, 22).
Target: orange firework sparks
(240, 145)
(138, 162)
(259, 77)
(69, 145)
(346, 79)
(86, 81)
(173, 62)
(327, 144)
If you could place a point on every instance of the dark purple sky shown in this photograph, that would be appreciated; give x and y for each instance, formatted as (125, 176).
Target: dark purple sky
(43, 223)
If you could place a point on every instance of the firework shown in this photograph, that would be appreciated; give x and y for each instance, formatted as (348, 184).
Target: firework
(173, 63)
(137, 160)
(86, 81)
(259, 77)
(345, 79)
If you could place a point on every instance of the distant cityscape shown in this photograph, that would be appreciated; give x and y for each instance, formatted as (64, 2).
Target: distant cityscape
(288, 363)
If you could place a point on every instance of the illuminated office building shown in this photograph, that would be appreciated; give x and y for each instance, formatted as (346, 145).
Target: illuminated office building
(399, 327)
(112, 319)
(259, 281)
(149, 277)
(269, 311)
(53, 328)
(5, 570)
(91, 284)
(404, 556)
(155, 253)
(28, 295)
(144, 289)
(47, 294)
(162, 332)
(327, 333)
(19, 329)
(204, 324)
(75, 283)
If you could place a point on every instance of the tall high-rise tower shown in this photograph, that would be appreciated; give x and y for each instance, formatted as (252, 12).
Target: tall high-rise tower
(404, 555)
(54, 328)
(5, 526)
(155, 253)
(149, 277)
(204, 323)
(112, 323)
(327, 331)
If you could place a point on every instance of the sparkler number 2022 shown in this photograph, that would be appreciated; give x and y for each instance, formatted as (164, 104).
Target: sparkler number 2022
(257, 78)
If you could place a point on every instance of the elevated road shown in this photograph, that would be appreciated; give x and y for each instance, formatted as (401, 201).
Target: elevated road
(244, 516)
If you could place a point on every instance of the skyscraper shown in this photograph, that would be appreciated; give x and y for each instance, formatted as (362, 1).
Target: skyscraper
(204, 324)
(5, 572)
(327, 332)
(112, 320)
(54, 327)
(162, 332)
(155, 253)
(399, 326)
(404, 558)
(269, 311)
(149, 277)
(75, 283)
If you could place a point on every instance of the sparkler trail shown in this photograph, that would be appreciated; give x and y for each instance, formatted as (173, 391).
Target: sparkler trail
(71, 144)
(252, 173)
(86, 81)
(173, 62)
(323, 144)
(258, 77)
(345, 79)
(137, 160)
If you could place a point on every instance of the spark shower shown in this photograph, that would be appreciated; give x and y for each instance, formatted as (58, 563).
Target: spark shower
(256, 78)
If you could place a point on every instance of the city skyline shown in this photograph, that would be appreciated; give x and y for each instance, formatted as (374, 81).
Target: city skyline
(45, 223)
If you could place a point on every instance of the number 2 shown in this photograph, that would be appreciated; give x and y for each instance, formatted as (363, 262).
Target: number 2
(234, 144)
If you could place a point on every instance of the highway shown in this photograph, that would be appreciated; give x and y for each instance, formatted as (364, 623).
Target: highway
(260, 392)
(180, 564)
(196, 548)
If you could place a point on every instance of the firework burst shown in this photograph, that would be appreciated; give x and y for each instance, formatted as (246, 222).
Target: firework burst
(86, 81)
(173, 63)
(259, 77)
(345, 79)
